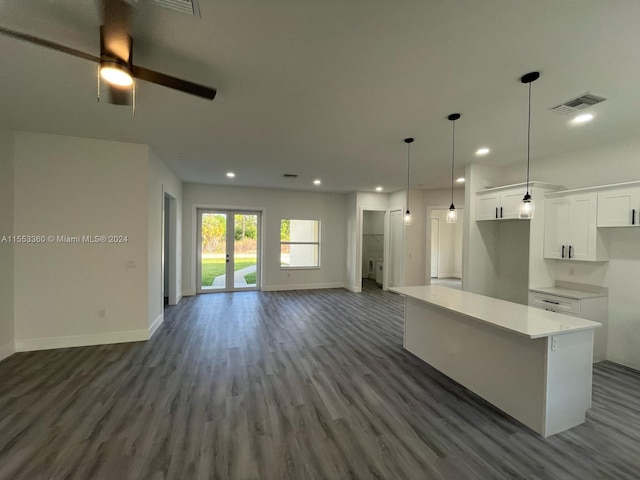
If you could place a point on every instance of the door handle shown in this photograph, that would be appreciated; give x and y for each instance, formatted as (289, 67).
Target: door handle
(569, 251)
(562, 251)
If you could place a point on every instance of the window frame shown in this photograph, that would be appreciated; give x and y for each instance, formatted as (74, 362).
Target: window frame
(317, 243)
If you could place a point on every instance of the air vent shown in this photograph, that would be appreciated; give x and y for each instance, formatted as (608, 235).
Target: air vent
(578, 104)
(190, 7)
(290, 175)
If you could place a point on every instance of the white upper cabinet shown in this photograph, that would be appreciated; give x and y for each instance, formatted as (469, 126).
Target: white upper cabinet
(619, 207)
(503, 203)
(570, 228)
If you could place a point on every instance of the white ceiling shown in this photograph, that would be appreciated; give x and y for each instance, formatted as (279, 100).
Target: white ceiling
(329, 89)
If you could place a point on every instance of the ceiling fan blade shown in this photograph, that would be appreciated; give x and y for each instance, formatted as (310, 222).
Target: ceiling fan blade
(173, 82)
(119, 96)
(115, 40)
(46, 43)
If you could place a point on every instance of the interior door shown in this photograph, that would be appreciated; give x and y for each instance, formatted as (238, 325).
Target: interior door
(228, 251)
(435, 246)
(396, 247)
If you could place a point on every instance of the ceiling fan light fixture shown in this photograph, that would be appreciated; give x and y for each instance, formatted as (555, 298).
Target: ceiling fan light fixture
(115, 73)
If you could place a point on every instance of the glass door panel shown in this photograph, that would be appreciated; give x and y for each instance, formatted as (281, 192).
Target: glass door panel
(245, 251)
(213, 251)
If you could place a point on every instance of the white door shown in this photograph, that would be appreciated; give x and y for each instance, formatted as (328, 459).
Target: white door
(435, 246)
(396, 249)
(510, 203)
(555, 228)
(619, 207)
(582, 227)
(487, 207)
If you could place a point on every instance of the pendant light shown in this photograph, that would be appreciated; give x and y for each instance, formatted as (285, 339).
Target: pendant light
(407, 215)
(528, 206)
(452, 216)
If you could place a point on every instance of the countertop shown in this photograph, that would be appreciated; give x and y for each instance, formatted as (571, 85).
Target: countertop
(521, 319)
(568, 292)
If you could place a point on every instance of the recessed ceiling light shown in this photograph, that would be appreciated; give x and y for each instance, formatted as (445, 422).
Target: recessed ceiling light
(317, 181)
(379, 189)
(231, 174)
(583, 118)
(460, 180)
(482, 151)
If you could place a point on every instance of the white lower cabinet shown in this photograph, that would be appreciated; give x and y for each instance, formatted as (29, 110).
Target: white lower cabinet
(576, 304)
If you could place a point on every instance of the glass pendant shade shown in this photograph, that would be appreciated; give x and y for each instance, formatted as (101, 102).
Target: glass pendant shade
(527, 208)
(452, 215)
(407, 218)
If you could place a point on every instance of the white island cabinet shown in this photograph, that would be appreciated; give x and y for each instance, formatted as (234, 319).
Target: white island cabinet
(532, 364)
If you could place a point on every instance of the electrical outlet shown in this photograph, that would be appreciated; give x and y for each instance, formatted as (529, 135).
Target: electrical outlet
(131, 265)
(554, 344)
(102, 313)
(571, 271)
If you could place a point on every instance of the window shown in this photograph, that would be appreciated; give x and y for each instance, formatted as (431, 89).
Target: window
(299, 243)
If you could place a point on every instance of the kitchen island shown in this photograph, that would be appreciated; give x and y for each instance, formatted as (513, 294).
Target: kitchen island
(532, 364)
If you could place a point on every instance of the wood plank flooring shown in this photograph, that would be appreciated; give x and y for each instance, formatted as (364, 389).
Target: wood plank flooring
(287, 385)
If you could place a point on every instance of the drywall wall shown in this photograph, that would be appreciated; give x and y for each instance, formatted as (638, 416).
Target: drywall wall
(613, 163)
(71, 293)
(161, 180)
(414, 235)
(330, 208)
(7, 346)
(479, 252)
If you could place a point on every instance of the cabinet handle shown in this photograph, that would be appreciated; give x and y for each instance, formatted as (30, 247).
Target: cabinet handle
(633, 216)
(551, 301)
(500, 212)
(562, 251)
(569, 251)
(496, 212)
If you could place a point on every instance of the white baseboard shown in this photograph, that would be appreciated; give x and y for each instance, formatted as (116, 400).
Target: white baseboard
(354, 288)
(188, 293)
(307, 286)
(7, 350)
(31, 344)
(156, 324)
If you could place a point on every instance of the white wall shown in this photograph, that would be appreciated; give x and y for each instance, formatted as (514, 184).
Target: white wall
(7, 346)
(329, 208)
(414, 235)
(613, 163)
(67, 186)
(480, 243)
(161, 180)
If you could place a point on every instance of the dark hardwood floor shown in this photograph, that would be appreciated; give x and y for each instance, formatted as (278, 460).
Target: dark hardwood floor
(287, 385)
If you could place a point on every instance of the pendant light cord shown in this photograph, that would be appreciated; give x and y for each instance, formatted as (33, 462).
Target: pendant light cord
(453, 157)
(408, 168)
(528, 137)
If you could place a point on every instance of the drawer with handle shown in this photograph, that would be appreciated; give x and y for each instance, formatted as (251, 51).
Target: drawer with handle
(554, 303)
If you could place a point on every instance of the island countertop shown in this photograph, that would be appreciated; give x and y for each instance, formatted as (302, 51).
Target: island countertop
(521, 319)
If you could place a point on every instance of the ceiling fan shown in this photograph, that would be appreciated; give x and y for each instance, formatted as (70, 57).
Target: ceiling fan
(116, 57)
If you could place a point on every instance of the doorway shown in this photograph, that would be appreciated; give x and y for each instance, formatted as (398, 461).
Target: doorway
(169, 261)
(228, 251)
(446, 248)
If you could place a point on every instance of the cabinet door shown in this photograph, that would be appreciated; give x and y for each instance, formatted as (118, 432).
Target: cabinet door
(619, 207)
(556, 211)
(582, 226)
(487, 205)
(510, 202)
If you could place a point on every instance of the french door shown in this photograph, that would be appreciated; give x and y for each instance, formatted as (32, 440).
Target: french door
(228, 251)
